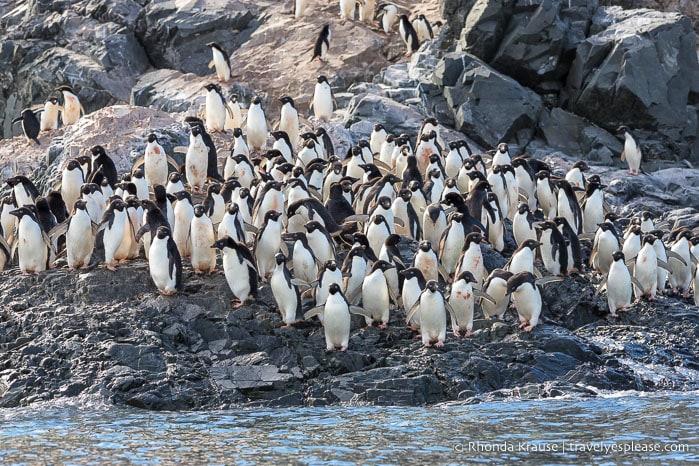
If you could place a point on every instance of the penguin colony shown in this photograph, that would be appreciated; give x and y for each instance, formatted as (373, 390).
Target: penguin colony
(322, 229)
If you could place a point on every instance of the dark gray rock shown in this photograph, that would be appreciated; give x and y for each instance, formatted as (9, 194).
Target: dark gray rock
(454, 13)
(176, 37)
(396, 118)
(541, 38)
(488, 106)
(640, 71)
(576, 136)
(485, 27)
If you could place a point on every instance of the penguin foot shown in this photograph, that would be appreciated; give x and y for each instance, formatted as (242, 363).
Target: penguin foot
(85, 267)
(427, 344)
(417, 336)
(457, 334)
(439, 344)
(528, 328)
(237, 303)
(112, 266)
(198, 271)
(614, 314)
(522, 325)
(686, 294)
(468, 334)
(651, 298)
(383, 325)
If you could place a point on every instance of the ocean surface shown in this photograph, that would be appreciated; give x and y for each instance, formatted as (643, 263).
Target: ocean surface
(624, 428)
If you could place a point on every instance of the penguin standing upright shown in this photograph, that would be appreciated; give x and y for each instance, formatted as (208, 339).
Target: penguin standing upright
(33, 245)
(201, 235)
(49, 117)
(523, 224)
(618, 282)
(495, 286)
(526, 297)
(604, 245)
(184, 211)
(289, 123)
(129, 247)
(433, 315)
(239, 269)
(376, 294)
(413, 285)
(387, 14)
(216, 108)
(72, 108)
(554, 252)
(221, 61)
(155, 162)
(632, 152)
(408, 34)
(234, 118)
(102, 167)
(164, 262)
(30, 125)
(646, 270)
(257, 131)
(423, 28)
(286, 294)
(299, 8)
(322, 43)
(196, 160)
(153, 218)
(113, 223)
(72, 179)
(268, 241)
(323, 101)
(462, 298)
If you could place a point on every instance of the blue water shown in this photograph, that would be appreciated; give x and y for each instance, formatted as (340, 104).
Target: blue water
(621, 429)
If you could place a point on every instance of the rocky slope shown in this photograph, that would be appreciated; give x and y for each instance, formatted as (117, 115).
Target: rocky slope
(111, 336)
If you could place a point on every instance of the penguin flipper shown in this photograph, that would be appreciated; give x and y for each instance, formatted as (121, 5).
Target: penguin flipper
(360, 311)
(314, 312)
(413, 309)
(300, 283)
(548, 279)
(638, 284)
(211, 64)
(399, 221)
(250, 228)
(180, 150)
(623, 155)
(452, 314)
(665, 265)
(443, 272)
(484, 295)
(305, 122)
(284, 248)
(140, 161)
(382, 166)
(59, 229)
(354, 297)
(674, 255)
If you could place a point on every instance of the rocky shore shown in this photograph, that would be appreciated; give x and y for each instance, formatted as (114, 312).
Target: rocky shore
(553, 79)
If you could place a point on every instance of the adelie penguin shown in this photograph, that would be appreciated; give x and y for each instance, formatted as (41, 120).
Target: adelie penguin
(33, 245)
(377, 295)
(239, 268)
(23, 190)
(632, 152)
(49, 117)
(408, 34)
(323, 100)
(289, 126)
(72, 108)
(285, 292)
(221, 61)
(336, 318)
(433, 309)
(462, 297)
(257, 127)
(619, 284)
(201, 235)
(102, 167)
(526, 297)
(216, 108)
(387, 15)
(164, 262)
(30, 125)
(322, 44)
(268, 241)
(114, 222)
(196, 160)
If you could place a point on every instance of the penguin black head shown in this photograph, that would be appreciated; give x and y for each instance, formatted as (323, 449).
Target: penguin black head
(53, 100)
(433, 286)
(385, 202)
(622, 130)
(212, 87)
(519, 279)
(379, 219)
(547, 225)
(196, 131)
(434, 158)
(287, 100)
(79, 205)
(581, 165)
(223, 243)
(331, 265)
(72, 165)
(502, 148)
(66, 88)
(279, 258)
(138, 174)
(530, 243)
(474, 237)
(466, 275)
(412, 272)
(381, 265)
(450, 182)
(606, 226)
(215, 45)
(174, 177)
(162, 232)
(237, 132)
(425, 246)
(405, 194)
(98, 151)
(457, 217)
(199, 210)
(378, 127)
(322, 79)
(272, 215)
(23, 211)
(117, 204)
(453, 199)
(694, 240)
(152, 137)
(645, 216)
(392, 240)
(334, 288)
(649, 239)
(523, 208)
(542, 174)
(618, 256)
(85, 189)
(181, 195)
(255, 100)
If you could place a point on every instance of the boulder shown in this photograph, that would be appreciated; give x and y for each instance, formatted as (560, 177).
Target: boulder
(576, 136)
(485, 27)
(489, 107)
(175, 37)
(541, 37)
(640, 71)
(396, 118)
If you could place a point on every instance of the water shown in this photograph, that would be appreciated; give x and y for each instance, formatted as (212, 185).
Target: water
(652, 428)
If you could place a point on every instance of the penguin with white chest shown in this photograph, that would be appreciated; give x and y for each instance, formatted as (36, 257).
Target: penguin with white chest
(164, 262)
(32, 244)
(196, 160)
(49, 117)
(337, 319)
(462, 298)
(377, 295)
(221, 61)
(323, 101)
(216, 108)
(201, 235)
(433, 315)
(268, 242)
(619, 284)
(184, 211)
(526, 297)
(286, 293)
(632, 152)
(30, 125)
(239, 268)
(72, 178)
(495, 286)
(257, 129)
(113, 223)
(80, 239)
(408, 34)
(72, 108)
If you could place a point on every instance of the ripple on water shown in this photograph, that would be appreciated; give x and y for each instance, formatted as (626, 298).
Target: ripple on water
(485, 433)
